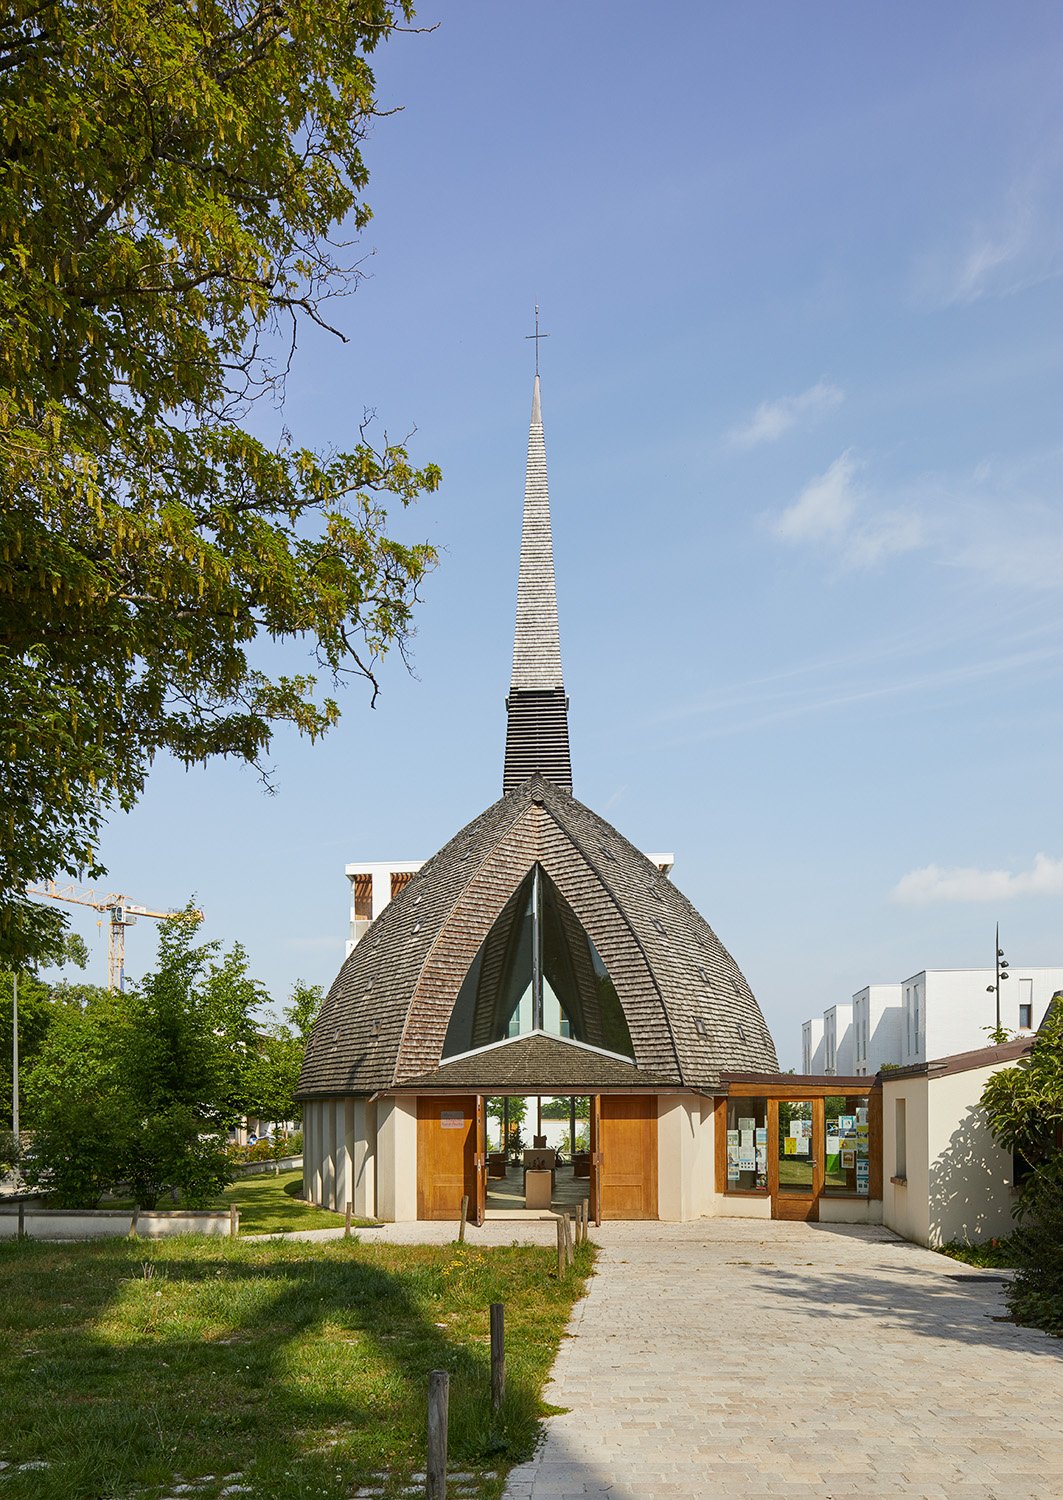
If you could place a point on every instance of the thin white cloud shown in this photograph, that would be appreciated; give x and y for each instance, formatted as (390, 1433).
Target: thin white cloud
(833, 510)
(824, 508)
(933, 883)
(1016, 245)
(774, 418)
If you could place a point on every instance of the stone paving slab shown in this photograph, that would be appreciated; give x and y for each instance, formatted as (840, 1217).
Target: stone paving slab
(731, 1358)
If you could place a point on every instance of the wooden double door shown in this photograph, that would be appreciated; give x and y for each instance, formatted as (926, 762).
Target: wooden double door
(452, 1156)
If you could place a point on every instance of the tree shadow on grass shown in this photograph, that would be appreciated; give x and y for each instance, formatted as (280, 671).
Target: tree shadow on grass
(301, 1368)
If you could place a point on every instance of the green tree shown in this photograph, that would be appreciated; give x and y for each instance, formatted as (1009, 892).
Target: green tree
(173, 179)
(1025, 1109)
(38, 1004)
(277, 1060)
(140, 1087)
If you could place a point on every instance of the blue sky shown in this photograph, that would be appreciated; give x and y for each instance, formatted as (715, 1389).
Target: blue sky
(802, 268)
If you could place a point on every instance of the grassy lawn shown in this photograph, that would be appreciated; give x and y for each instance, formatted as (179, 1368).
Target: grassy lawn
(993, 1255)
(130, 1367)
(268, 1205)
(272, 1205)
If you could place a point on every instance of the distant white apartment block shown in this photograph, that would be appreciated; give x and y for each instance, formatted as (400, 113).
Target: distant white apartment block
(812, 1046)
(376, 882)
(953, 1010)
(932, 1014)
(373, 884)
(838, 1054)
(876, 1027)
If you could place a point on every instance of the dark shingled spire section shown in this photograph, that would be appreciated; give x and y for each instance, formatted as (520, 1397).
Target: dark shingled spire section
(537, 708)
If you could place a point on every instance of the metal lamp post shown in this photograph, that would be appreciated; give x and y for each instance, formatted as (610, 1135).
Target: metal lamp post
(1001, 974)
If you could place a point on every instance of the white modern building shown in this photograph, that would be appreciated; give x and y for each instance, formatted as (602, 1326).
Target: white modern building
(932, 1014)
(876, 1027)
(812, 1046)
(374, 884)
(838, 1048)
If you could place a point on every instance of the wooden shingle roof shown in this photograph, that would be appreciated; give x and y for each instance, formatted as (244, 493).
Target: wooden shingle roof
(689, 1010)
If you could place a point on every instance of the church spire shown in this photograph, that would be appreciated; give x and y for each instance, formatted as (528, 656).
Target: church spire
(537, 728)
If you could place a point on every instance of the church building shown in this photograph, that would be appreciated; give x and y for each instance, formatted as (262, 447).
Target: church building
(539, 955)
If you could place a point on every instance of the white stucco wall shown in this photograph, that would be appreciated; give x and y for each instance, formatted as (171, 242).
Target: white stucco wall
(849, 1210)
(959, 1179)
(731, 1206)
(906, 1206)
(971, 1197)
(685, 1161)
(396, 1159)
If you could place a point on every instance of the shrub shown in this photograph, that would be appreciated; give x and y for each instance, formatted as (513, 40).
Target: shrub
(1036, 1294)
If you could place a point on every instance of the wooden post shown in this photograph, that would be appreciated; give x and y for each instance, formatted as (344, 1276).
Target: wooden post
(570, 1250)
(464, 1216)
(498, 1355)
(234, 1221)
(21, 1220)
(438, 1415)
(560, 1247)
(347, 1225)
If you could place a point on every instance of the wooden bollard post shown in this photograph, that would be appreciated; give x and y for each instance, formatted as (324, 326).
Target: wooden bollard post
(21, 1220)
(234, 1221)
(464, 1216)
(560, 1247)
(438, 1416)
(570, 1249)
(498, 1355)
(584, 1210)
(347, 1224)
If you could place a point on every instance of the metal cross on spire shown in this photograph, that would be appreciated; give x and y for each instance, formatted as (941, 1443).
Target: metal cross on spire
(537, 336)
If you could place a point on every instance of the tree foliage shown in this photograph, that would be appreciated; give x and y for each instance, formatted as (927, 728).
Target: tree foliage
(172, 181)
(140, 1087)
(1025, 1109)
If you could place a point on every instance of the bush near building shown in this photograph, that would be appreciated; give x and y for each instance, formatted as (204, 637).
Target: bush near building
(1025, 1109)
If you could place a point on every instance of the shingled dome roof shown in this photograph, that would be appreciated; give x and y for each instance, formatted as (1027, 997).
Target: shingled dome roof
(688, 1010)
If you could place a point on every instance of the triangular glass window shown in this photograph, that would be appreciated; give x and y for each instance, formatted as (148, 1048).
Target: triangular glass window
(537, 970)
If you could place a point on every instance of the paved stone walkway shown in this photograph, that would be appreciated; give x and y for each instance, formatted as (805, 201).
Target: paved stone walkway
(728, 1358)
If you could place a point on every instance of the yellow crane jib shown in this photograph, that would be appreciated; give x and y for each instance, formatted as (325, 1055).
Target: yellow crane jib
(120, 914)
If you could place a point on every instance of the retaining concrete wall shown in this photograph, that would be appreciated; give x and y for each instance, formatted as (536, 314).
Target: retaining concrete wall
(108, 1223)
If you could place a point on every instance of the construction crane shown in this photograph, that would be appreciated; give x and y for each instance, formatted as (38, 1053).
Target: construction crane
(120, 914)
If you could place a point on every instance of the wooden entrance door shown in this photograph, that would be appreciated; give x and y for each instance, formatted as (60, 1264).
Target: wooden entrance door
(627, 1145)
(446, 1155)
(795, 1158)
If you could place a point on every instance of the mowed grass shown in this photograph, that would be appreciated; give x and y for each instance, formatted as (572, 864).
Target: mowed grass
(132, 1366)
(268, 1204)
(272, 1205)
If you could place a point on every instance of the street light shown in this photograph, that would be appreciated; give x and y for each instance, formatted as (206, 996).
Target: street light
(1001, 974)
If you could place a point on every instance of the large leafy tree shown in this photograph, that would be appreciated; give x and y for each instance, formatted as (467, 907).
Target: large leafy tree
(173, 179)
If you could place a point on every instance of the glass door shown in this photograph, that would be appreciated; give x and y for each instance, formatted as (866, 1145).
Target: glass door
(795, 1158)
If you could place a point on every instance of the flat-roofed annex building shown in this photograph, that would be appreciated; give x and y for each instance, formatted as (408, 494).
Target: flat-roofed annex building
(538, 953)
